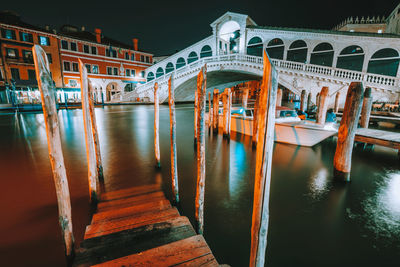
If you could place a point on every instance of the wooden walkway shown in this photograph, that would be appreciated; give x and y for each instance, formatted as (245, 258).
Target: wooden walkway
(378, 137)
(139, 227)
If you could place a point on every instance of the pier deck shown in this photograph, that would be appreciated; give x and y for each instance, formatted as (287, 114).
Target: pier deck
(378, 137)
(139, 227)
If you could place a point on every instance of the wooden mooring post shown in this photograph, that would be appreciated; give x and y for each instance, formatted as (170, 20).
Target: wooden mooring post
(156, 127)
(323, 105)
(226, 99)
(215, 110)
(196, 103)
(309, 100)
(303, 99)
(266, 125)
(336, 107)
(245, 97)
(90, 143)
(172, 123)
(210, 112)
(47, 90)
(255, 119)
(347, 131)
(366, 108)
(201, 151)
(279, 97)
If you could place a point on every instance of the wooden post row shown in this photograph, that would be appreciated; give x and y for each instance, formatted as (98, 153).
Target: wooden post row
(172, 123)
(215, 110)
(266, 125)
(366, 108)
(323, 105)
(347, 131)
(156, 127)
(226, 99)
(201, 155)
(46, 87)
(90, 150)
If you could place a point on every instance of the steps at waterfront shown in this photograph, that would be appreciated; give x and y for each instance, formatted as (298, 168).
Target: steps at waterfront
(139, 227)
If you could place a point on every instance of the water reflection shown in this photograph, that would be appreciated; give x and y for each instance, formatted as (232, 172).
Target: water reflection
(319, 182)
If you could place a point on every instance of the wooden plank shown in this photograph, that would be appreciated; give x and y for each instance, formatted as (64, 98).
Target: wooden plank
(203, 261)
(184, 251)
(47, 91)
(130, 201)
(133, 191)
(112, 226)
(130, 211)
(116, 245)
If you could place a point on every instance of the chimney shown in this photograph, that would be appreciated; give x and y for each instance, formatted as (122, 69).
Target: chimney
(98, 35)
(135, 44)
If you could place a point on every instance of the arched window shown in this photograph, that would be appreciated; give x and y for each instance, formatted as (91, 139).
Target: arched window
(192, 57)
(322, 55)
(206, 51)
(159, 72)
(150, 76)
(255, 47)
(297, 51)
(351, 58)
(169, 67)
(275, 48)
(180, 63)
(384, 62)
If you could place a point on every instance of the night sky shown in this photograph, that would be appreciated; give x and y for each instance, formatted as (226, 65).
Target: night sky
(166, 26)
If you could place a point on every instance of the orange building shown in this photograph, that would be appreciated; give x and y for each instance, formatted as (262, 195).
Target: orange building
(112, 66)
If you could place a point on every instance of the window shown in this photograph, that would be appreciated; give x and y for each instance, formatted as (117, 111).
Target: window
(115, 71)
(15, 74)
(86, 49)
(49, 58)
(133, 57)
(31, 75)
(255, 47)
(12, 53)
(25, 37)
(75, 67)
(64, 44)
(88, 68)
(73, 46)
(142, 74)
(127, 72)
(95, 69)
(111, 53)
(27, 56)
(94, 50)
(142, 58)
(67, 66)
(109, 70)
(133, 73)
(126, 55)
(8, 34)
(206, 51)
(44, 40)
(147, 59)
(114, 53)
(275, 48)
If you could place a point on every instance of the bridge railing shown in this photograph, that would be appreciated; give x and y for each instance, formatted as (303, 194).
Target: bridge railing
(329, 72)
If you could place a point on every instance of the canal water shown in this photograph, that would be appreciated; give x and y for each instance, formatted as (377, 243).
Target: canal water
(313, 221)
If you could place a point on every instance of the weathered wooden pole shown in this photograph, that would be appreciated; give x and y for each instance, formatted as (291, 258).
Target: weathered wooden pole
(266, 125)
(196, 103)
(323, 105)
(172, 124)
(336, 107)
(309, 100)
(210, 112)
(303, 99)
(347, 131)
(279, 97)
(46, 87)
(366, 108)
(90, 150)
(255, 119)
(215, 110)
(245, 97)
(95, 133)
(226, 99)
(201, 152)
(317, 100)
(156, 127)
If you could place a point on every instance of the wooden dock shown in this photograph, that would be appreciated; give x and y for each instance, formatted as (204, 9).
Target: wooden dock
(139, 227)
(378, 137)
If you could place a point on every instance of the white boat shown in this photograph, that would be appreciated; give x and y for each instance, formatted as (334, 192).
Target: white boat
(289, 128)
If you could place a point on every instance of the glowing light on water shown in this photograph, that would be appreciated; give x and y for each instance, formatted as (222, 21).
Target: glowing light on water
(319, 182)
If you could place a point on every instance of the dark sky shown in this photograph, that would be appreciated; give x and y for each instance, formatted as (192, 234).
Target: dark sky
(166, 26)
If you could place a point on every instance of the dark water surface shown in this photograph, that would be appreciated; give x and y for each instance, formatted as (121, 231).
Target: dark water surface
(313, 221)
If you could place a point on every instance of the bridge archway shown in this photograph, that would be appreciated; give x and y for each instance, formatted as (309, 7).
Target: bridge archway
(150, 76)
(276, 48)
(180, 63)
(384, 62)
(297, 52)
(322, 55)
(192, 57)
(229, 33)
(169, 68)
(255, 47)
(351, 58)
(111, 89)
(206, 51)
(159, 72)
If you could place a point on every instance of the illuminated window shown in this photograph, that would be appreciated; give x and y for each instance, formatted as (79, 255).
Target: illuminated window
(379, 31)
(67, 66)
(12, 53)
(73, 46)
(86, 49)
(8, 34)
(64, 44)
(75, 67)
(43, 40)
(25, 37)
(95, 69)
